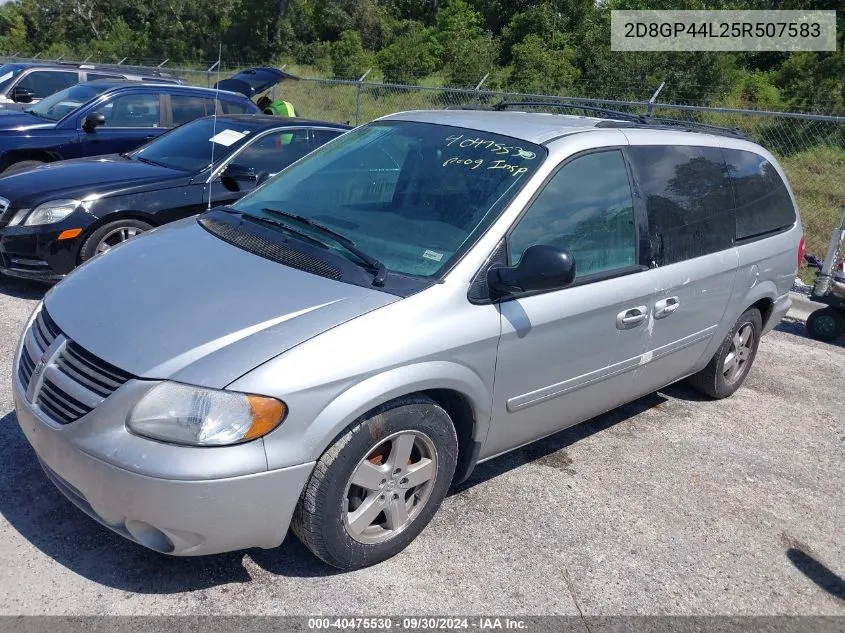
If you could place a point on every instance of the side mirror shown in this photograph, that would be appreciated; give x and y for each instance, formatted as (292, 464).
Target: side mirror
(22, 95)
(93, 120)
(540, 268)
(234, 174)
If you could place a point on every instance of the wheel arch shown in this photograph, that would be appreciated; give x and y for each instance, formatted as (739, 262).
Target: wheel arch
(455, 388)
(110, 217)
(18, 155)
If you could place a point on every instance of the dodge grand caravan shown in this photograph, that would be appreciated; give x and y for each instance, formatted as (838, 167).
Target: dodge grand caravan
(424, 293)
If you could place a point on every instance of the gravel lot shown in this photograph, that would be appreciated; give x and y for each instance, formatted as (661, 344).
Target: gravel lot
(670, 505)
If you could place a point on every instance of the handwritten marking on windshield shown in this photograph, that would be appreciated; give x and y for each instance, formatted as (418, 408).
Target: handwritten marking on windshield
(489, 144)
(475, 162)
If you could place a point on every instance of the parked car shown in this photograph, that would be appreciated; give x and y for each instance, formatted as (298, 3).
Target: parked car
(424, 293)
(104, 117)
(67, 212)
(25, 83)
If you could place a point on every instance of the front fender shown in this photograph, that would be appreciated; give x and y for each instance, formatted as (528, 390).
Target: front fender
(308, 440)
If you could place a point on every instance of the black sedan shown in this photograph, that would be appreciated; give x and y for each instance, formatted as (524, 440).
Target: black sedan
(57, 216)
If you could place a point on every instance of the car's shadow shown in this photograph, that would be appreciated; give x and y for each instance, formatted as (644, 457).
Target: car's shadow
(36, 509)
(797, 327)
(21, 288)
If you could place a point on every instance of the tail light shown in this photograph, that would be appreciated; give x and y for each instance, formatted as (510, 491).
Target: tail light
(801, 249)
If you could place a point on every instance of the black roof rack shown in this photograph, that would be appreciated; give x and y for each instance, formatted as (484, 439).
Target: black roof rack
(627, 116)
(618, 119)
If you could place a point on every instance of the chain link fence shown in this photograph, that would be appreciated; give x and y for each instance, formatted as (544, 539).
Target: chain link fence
(810, 147)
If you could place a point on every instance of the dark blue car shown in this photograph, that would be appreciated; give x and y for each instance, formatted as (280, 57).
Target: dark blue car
(104, 117)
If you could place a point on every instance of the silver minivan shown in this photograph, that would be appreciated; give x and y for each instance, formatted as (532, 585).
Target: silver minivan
(426, 292)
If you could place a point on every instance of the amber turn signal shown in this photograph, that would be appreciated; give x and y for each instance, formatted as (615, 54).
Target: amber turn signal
(69, 234)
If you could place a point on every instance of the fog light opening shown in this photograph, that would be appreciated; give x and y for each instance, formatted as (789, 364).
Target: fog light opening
(149, 536)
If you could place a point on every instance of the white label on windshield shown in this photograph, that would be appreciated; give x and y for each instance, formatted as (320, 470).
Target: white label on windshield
(6, 76)
(433, 255)
(227, 137)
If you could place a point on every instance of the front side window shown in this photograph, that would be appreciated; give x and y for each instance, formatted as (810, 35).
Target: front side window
(62, 103)
(43, 83)
(587, 209)
(763, 204)
(275, 151)
(413, 195)
(688, 198)
(132, 110)
(8, 72)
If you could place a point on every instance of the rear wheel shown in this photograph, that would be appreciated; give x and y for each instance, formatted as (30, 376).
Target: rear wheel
(729, 367)
(110, 235)
(827, 324)
(22, 165)
(378, 486)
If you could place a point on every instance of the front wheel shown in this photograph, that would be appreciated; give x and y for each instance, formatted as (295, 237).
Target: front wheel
(376, 488)
(729, 367)
(110, 235)
(827, 324)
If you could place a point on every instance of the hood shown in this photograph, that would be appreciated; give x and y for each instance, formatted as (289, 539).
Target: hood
(253, 81)
(15, 120)
(179, 303)
(82, 177)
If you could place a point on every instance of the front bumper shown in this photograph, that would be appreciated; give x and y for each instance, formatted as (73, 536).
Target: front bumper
(171, 516)
(35, 252)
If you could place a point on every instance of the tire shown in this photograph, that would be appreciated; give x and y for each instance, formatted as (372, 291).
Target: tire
(116, 232)
(22, 166)
(727, 370)
(336, 519)
(827, 324)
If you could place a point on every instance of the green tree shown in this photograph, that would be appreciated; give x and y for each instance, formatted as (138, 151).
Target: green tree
(538, 69)
(414, 54)
(349, 59)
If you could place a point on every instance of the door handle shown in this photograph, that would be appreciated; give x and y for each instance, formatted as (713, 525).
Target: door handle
(631, 317)
(665, 307)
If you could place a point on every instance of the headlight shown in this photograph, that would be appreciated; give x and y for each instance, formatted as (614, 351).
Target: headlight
(183, 414)
(50, 212)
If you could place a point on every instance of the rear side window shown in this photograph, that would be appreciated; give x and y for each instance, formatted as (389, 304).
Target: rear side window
(763, 204)
(186, 108)
(96, 76)
(688, 199)
(230, 107)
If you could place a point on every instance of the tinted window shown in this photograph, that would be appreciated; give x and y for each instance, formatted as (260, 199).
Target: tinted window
(8, 72)
(95, 76)
(189, 147)
(230, 107)
(274, 152)
(689, 202)
(324, 136)
(132, 110)
(186, 108)
(43, 83)
(413, 195)
(587, 209)
(763, 204)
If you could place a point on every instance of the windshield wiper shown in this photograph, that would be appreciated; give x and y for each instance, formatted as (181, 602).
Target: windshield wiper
(379, 268)
(148, 161)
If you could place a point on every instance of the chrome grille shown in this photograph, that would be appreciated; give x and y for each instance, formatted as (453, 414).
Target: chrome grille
(61, 378)
(5, 212)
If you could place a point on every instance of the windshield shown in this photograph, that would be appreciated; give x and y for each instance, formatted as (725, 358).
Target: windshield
(62, 103)
(8, 72)
(412, 195)
(189, 147)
